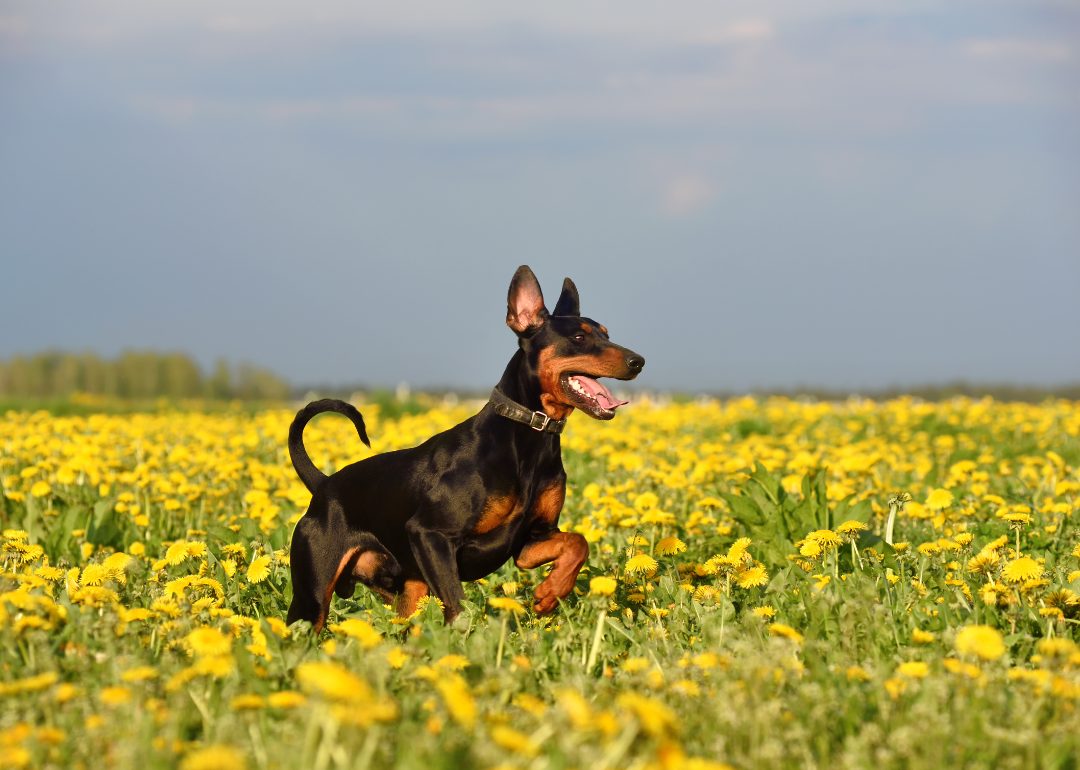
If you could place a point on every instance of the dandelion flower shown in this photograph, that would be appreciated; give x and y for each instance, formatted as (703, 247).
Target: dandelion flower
(810, 549)
(670, 546)
(332, 682)
(603, 586)
(918, 636)
(139, 674)
(285, 699)
(506, 603)
(779, 629)
(359, 630)
(981, 641)
(259, 570)
(765, 612)
(177, 552)
(40, 489)
(513, 740)
(247, 702)
(1024, 568)
(215, 757)
(939, 499)
(850, 527)
(964, 539)
(509, 589)
(753, 577)
(453, 662)
(397, 657)
(114, 696)
(914, 669)
(641, 564)
(206, 642)
(738, 548)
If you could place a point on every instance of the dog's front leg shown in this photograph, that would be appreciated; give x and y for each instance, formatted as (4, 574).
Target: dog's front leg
(568, 551)
(437, 559)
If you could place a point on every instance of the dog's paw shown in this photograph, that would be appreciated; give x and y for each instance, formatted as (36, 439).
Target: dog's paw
(545, 599)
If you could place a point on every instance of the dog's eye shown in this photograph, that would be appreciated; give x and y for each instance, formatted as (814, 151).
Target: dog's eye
(579, 337)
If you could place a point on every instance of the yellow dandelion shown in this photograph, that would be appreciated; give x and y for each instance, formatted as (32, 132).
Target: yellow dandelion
(332, 681)
(513, 740)
(918, 636)
(139, 674)
(655, 718)
(765, 612)
(603, 586)
(355, 628)
(810, 549)
(850, 527)
(206, 642)
(915, 669)
(506, 603)
(738, 548)
(217, 757)
(247, 702)
(40, 489)
(753, 578)
(642, 564)
(177, 552)
(397, 657)
(259, 570)
(939, 499)
(779, 629)
(453, 662)
(286, 699)
(981, 641)
(114, 696)
(857, 674)
(670, 546)
(1024, 568)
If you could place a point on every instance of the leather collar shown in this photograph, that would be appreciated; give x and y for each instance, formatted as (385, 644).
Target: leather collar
(512, 410)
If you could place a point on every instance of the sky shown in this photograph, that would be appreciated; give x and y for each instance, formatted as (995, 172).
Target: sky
(752, 195)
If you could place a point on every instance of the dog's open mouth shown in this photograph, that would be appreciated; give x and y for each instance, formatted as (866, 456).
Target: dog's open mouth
(590, 396)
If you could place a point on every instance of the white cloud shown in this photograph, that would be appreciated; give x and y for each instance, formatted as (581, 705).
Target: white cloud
(685, 194)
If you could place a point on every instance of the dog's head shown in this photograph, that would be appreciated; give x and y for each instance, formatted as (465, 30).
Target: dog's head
(566, 351)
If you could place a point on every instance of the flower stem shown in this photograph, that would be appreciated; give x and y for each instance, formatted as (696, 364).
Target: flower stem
(596, 640)
(502, 643)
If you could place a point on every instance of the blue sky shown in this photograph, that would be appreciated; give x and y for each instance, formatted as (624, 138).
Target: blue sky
(751, 195)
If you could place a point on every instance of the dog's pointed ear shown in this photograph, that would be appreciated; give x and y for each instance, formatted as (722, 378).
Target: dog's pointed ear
(568, 303)
(525, 311)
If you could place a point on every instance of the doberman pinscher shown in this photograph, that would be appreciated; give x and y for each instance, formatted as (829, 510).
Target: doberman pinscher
(456, 507)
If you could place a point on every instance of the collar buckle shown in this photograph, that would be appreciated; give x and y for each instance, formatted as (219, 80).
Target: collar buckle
(543, 424)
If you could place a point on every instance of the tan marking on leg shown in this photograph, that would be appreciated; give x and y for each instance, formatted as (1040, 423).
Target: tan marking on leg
(414, 591)
(497, 511)
(568, 551)
(330, 588)
(549, 503)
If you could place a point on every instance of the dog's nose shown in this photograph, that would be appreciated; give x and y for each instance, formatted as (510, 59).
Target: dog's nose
(635, 362)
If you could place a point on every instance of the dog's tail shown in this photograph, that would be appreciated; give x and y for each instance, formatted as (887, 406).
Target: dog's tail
(305, 469)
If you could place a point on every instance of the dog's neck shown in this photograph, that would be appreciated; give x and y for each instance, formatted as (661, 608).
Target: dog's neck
(520, 383)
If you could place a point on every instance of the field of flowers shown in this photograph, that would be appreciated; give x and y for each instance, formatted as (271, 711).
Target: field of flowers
(772, 584)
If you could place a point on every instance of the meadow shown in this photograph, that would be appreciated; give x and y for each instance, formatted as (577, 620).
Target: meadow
(772, 583)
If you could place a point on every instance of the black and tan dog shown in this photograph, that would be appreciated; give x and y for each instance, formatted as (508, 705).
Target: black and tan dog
(455, 508)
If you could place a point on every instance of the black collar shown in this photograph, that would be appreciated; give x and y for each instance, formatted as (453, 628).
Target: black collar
(512, 410)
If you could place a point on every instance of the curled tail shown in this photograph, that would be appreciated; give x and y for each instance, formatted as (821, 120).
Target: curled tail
(305, 469)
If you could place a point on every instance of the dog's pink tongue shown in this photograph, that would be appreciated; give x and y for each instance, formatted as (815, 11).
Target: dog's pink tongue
(600, 393)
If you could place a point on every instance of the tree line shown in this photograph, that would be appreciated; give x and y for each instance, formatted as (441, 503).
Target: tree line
(135, 375)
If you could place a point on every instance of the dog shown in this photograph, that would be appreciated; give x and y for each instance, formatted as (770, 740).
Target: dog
(419, 521)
